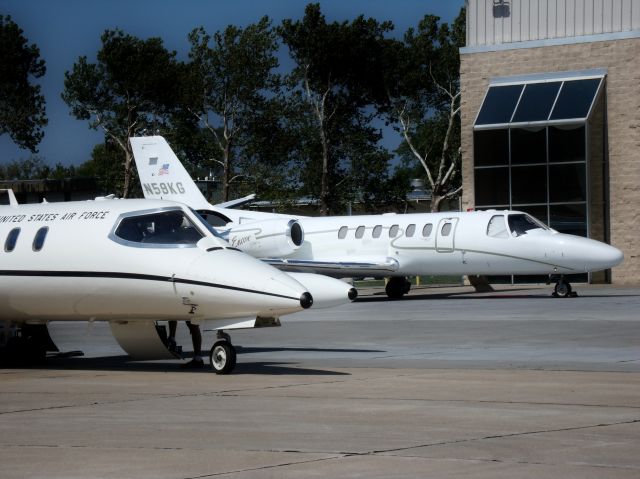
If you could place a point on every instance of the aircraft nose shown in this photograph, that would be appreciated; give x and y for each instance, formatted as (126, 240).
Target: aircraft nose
(608, 256)
(306, 300)
(594, 255)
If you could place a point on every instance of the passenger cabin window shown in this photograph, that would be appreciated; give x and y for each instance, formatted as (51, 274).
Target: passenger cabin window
(521, 223)
(360, 232)
(426, 231)
(411, 229)
(497, 228)
(393, 231)
(12, 238)
(41, 235)
(168, 228)
(377, 231)
(342, 232)
(446, 229)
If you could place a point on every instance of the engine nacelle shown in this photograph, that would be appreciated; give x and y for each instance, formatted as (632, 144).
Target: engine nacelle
(267, 239)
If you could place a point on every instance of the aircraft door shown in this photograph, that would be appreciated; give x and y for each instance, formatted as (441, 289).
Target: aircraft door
(445, 235)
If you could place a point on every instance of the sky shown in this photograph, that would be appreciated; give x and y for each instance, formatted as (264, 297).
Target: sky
(64, 30)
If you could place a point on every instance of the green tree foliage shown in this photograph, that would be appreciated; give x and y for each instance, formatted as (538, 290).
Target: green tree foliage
(130, 89)
(423, 89)
(104, 167)
(22, 106)
(35, 168)
(225, 88)
(335, 80)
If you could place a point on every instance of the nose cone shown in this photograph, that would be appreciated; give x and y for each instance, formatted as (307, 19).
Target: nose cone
(235, 284)
(591, 255)
(325, 291)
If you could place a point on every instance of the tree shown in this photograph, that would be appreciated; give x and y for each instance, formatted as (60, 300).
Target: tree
(35, 168)
(334, 82)
(423, 101)
(22, 106)
(128, 90)
(228, 78)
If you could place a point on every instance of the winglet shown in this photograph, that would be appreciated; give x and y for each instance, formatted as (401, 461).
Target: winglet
(162, 175)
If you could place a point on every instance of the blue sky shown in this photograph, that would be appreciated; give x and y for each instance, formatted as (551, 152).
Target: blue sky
(67, 29)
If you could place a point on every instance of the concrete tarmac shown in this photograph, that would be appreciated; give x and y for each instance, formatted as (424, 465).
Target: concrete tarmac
(445, 383)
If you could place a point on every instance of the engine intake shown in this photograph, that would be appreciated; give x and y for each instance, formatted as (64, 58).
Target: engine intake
(267, 239)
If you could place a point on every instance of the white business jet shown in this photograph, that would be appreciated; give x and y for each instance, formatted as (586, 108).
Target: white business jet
(395, 246)
(133, 263)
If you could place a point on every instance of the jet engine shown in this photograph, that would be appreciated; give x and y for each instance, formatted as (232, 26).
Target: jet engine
(267, 239)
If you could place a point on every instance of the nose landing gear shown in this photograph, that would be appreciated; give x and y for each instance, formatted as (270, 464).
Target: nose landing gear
(563, 289)
(223, 354)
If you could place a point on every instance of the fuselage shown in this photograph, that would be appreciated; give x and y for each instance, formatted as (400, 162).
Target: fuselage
(108, 260)
(478, 242)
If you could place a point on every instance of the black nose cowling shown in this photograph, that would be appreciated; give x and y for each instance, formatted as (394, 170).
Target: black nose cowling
(353, 294)
(306, 300)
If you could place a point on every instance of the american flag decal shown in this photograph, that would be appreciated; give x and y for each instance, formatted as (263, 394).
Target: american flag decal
(164, 170)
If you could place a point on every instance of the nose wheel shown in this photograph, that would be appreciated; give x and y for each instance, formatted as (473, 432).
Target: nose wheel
(563, 289)
(222, 356)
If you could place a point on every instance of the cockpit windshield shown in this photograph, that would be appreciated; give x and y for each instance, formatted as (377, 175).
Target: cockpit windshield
(521, 223)
(168, 228)
(207, 224)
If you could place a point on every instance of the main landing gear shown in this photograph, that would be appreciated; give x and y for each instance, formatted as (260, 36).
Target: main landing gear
(223, 354)
(563, 289)
(397, 287)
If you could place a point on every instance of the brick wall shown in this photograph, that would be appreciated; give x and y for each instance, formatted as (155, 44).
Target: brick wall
(622, 59)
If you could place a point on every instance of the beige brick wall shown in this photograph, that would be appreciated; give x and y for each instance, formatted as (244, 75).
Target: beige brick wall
(622, 59)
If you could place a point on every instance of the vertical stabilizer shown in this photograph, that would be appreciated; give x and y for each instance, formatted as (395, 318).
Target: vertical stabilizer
(162, 175)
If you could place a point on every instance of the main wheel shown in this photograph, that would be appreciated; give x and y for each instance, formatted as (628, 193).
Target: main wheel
(562, 289)
(397, 287)
(222, 357)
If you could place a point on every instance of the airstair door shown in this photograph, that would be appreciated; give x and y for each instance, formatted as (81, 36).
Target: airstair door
(445, 235)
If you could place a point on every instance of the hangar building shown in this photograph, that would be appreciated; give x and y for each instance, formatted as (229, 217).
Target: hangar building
(551, 117)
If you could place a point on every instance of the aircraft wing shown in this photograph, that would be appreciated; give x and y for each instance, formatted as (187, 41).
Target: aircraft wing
(338, 268)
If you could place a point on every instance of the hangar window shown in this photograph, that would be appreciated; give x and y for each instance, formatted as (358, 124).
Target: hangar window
(41, 235)
(540, 146)
(377, 231)
(163, 229)
(342, 232)
(393, 231)
(12, 238)
(426, 231)
(411, 229)
(359, 232)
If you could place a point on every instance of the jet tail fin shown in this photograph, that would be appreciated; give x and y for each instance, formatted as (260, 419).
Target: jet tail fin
(162, 175)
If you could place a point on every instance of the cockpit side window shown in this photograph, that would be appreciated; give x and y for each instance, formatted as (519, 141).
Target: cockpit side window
(164, 228)
(497, 228)
(520, 223)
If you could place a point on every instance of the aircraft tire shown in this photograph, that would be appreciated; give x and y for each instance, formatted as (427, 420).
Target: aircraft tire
(222, 357)
(562, 289)
(397, 287)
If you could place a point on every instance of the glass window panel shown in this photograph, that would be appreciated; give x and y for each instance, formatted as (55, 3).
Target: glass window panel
(492, 186)
(411, 229)
(567, 183)
(571, 219)
(342, 232)
(359, 232)
(38, 241)
(575, 99)
(567, 143)
(426, 230)
(491, 147)
(377, 230)
(539, 212)
(393, 231)
(528, 145)
(12, 238)
(446, 229)
(536, 102)
(499, 104)
(528, 184)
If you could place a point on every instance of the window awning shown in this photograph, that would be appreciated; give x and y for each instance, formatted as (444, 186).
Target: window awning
(539, 100)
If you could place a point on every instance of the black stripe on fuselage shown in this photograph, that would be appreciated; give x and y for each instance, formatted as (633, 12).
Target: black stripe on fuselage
(136, 276)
